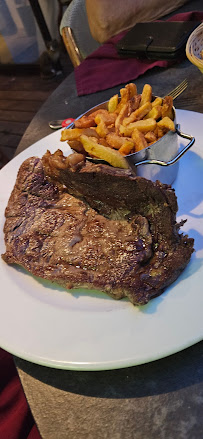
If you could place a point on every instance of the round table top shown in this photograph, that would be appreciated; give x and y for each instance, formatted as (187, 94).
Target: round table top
(158, 399)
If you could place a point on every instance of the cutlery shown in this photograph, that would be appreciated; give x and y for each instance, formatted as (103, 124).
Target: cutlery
(178, 90)
(56, 124)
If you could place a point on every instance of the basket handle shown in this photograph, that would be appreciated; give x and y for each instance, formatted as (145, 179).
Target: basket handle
(177, 157)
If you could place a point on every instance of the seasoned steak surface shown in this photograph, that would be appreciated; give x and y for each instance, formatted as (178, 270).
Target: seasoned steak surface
(117, 193)
(77, 242)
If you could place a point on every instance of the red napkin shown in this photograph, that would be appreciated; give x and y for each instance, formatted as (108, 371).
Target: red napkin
(105, 69)
(16, 421)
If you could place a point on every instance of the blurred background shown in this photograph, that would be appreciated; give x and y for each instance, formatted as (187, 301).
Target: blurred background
(33, 62)
(18, 32)
(21, 41)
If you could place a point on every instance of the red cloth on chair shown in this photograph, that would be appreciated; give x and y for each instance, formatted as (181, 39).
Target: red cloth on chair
(16, 421)
(105, 69)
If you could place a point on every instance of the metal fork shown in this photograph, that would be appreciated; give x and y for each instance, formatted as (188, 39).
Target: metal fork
(178, 90)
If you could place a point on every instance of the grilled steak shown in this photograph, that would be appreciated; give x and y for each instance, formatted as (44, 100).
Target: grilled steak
(117, 193)
(88, 225)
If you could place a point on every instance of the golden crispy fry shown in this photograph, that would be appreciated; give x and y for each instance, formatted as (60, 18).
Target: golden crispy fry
(75, 133)
(91, 132)
(111, 128)
(125, 131)
(141, 125)
(116, 141)
(167, 107)
(89, 121)
(71, 134)
(123, 113)
(132, 89)
(110, 155)
(134, 103)
(101, 128)
(151, 137)
(102, 141)
(127, 147)
(160, 132)
(108, 118)
(157, 101)
(112, 104)
(137, 114)
(127, 125)
(124, 92)
(155, 113)
(166, 111)
(166, 123)
(95, 139)
(139, 139)
(146, 94)
(85, 122)
(168, 100)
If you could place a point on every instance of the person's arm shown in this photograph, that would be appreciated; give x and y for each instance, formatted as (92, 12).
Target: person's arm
(109, 17)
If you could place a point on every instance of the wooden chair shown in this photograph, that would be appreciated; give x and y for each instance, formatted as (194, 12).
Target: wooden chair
(75, 32)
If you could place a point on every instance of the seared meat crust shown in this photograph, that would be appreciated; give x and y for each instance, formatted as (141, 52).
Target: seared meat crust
(78, 235)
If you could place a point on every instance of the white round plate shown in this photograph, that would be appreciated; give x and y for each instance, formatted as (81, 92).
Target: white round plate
(85, 330)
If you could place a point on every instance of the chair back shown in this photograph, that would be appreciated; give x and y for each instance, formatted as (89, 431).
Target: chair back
(75, 32)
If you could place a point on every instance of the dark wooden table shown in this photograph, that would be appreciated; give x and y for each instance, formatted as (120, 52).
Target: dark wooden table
(162, 399)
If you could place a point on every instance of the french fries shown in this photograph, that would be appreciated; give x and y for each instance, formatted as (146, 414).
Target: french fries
(139, 139)
(113, 157)
(154, 113)
(116, 141)
(129, 124)
(166, 123)
(75, 133)
(101, 128)
(112, 104)
(157, 101)
(138, 114)
(141, 125)
(166, 109)
(126, 148)
(146, 95)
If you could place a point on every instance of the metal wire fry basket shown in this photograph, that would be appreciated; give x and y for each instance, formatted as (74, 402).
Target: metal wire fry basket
(194, 47)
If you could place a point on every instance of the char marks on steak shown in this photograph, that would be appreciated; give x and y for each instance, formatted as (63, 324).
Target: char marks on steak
(94, 226)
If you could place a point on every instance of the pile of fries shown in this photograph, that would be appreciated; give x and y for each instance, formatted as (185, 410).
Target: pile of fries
(128, 124)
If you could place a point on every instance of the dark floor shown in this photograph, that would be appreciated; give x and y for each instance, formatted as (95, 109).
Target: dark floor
(21, 95)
